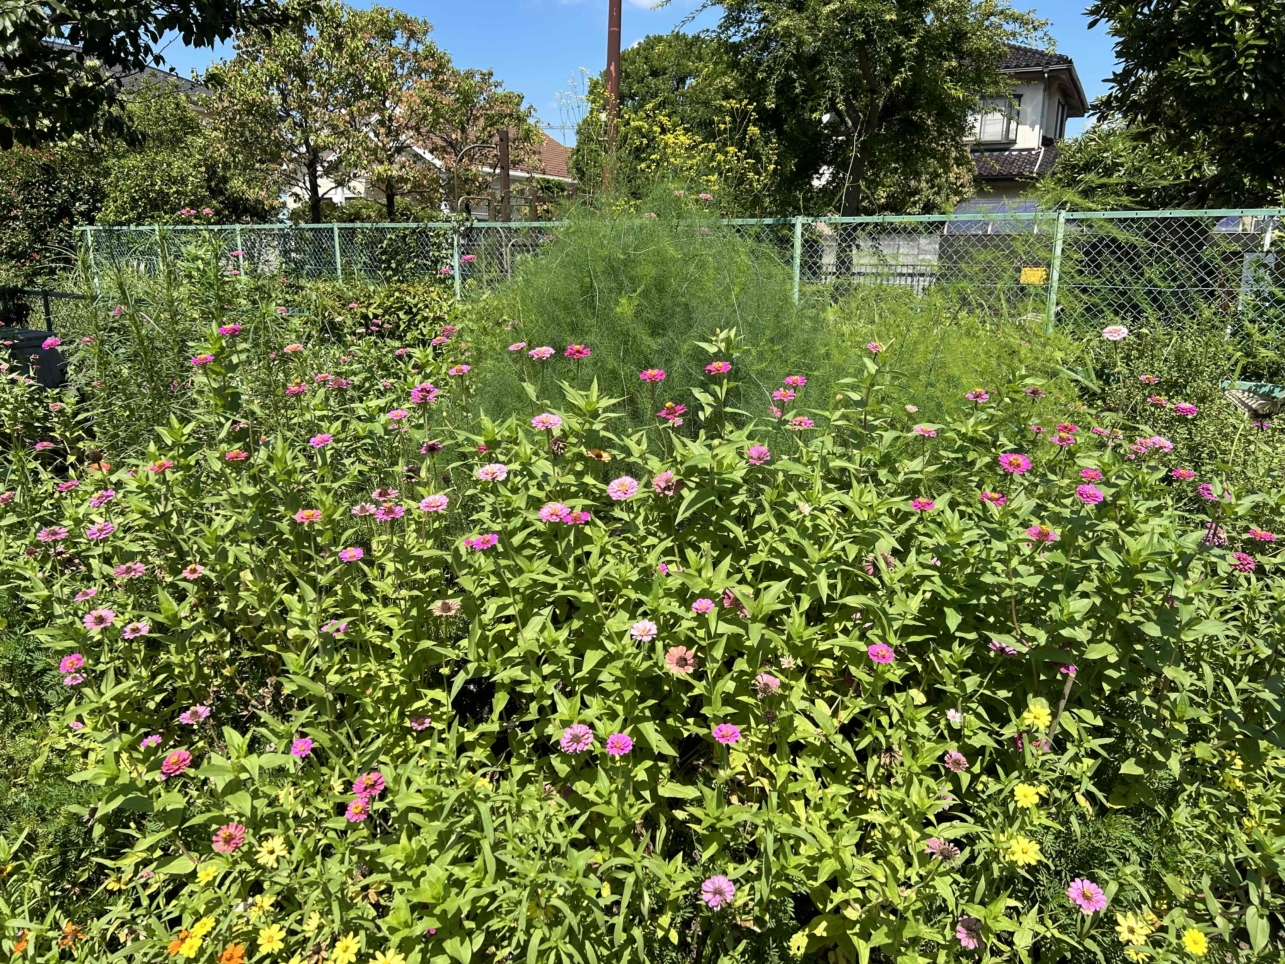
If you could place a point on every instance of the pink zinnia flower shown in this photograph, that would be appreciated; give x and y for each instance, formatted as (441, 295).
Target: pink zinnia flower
(424, 393)
(418, 723)
(881, 652)
(1088, 494)
(1062, 438)
(136, 629)
(305, 516)
(542, 353)
(358, 809)
(1090, 475)
(398, 414)
(129, 570)
(434, 503)
(236, 455)
(495, 472)
(175, 763)
(228, 838)
(322, 440)
(727, 733)
(84, 594)
(71, 663)
(1157, 400)
(874, 347)
(783, 395)
(765, 684)
(1184, 408)
(100, 499)
(203, 359)
(369, 784)
(922, 505)
(955, 761)
(703, 606)
(1086, 895)
(351, 554)
(554, 512)
(664, 483)
(758, 454)
(969, 932)
(229, 329)
(517, 346)
(718, 368)
(652, 375)
(458, 370)
(1184, 475)
(795, 381)
(364, 509)
(622, 488)
(99, 531)
(577, 351)
(1015, 463)
(51, 342)
(52, 534)
(1244, 562)
(1262, 535)
(925, 431)
(618, 744)
(546, 422)
(800, 422)
(73, 679)
(1041, 533)
(97, 619)
(717, 891)
(194, 715)
(1115, 332)
(644, 630)
(577, 738)
(680, 659)
(389, 511)
(977, 395)
(482, 542)
(994, 498)
(150, 741)
(192, 572)
(301, 748)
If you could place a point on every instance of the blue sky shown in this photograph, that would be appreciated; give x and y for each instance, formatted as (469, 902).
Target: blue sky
(541, 46)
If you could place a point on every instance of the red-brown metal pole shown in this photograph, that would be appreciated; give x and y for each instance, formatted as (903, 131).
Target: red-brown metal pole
(613, 81)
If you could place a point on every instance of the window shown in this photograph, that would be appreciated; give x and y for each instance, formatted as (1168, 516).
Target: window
(1059, 130)
(996, 123)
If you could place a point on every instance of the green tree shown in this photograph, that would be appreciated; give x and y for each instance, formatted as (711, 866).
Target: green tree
(168, 159)
(869, 100)
(1112, 166)
(45, 194)
(1205, 77)
(62, 60)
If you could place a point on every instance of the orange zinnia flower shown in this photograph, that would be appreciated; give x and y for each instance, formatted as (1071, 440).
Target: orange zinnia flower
(233, 954)
(178, 942)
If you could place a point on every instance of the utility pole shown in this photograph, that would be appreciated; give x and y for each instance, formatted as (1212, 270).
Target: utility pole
(504, 175)
(613, 84)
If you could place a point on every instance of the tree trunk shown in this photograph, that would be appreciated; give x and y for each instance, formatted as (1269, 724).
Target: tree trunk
(314, 188)
(390, 200)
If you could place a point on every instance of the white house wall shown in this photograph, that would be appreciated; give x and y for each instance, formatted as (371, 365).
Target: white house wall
(1030, 116)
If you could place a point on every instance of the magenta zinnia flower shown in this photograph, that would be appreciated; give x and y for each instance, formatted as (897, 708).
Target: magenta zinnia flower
(1088, 494)
(351, 554)
(925, 431)
(718, 368)
(881, 652)
(1086, 895)
(795, 381)
(358, 809)
(1244, 562)
(319, 441)
(758, 454)
(1183, 475)
(100, 531)
(922, 505)
(727, 733)
(1041, 533)
(994, 498)
(483, 542)
(800, 422)
(577, 738)
(369, 784)
(301, 747)
(70, 663)
(717, 891)
(1184, 408)
(1015, 463)
(652, 375)
(618, 744)
(577, 351)
(1262, 535)
(229, 838)
(622, 488)
(1090, 475)
(100, 499)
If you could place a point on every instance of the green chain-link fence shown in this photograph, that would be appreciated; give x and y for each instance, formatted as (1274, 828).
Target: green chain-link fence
(1071, 269)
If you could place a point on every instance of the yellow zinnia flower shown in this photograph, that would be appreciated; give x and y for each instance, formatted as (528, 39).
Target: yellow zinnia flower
(1195, 942)
(206, 874)
(190, 946)
(1131, 929)
(1038, 715)
(1024, 851)
(203, 926)
(262, 906)
(345, 951)
(272, 938)
(392, 957)
(312, 924)
(1027, 795)
(270, 851)
(1137, 955)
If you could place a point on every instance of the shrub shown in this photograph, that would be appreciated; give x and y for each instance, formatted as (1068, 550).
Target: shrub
(734, 689)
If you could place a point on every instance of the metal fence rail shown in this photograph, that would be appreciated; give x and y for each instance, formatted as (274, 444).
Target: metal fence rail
(1069, 268)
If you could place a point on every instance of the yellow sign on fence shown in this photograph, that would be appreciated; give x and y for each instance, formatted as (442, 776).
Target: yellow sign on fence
(1034, 276)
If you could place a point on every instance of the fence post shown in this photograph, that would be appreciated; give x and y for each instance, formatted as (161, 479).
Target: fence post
(1055, 271)
(93, 266)
(798, 253)
(455, 261)
(240, 252)
(339, 265)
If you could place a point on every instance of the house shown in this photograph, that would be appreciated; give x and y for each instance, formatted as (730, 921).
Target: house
(1015, 137)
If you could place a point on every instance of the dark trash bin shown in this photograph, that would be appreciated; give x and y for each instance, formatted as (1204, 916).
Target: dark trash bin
(45, 365)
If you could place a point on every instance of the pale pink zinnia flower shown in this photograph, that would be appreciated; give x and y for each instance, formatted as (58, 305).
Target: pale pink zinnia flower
(194, 715)
(717, 891)
(192, 572)
(955, 761)
(923, 505)
(136, 629)
(758, 454)
(644, 630)
(969, 932)
(577, 738)
(554, 512)
(434, 503)
(680, 659)
(622, 488)
(664, 483)
(494, 472)
(542, 353)
(765, 684)
(703, 606)
(99, 619)
(305, 516)
(129, 570)
(1115, 332)
(546, 422)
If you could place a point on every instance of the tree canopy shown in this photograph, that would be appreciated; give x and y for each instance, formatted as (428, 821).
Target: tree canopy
(62, 61)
